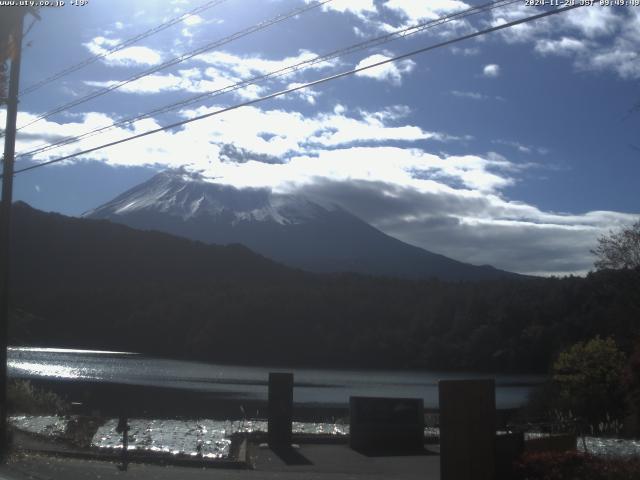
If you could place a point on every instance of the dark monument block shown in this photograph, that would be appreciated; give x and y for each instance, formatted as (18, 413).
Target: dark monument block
(467, 429)
(280, 409)
(386, 425)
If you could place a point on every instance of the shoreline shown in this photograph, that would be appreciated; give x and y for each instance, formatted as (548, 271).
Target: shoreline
(113, 399)
(142, 401)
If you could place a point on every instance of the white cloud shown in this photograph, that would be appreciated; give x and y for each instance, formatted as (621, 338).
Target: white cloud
(603, 39)
(523, 32)
(415, 11)
(287, 132)
(193, 20)
(453, 204)
(593, 22)
(622, 54)
(586, 21)
(563, 46)
(476, 95)
(597, 38)
(467, 51)
(389, 72)
(190, 21)
(250, 65)
(620, 59)
(388, 114)
(222, 70)
(309, 95)
(136, 55)
(411, 12)
(471, 95)
(184, 80)
(100, 41)
(360, 8)
(491, 71)
(521, 147)
(450, 204)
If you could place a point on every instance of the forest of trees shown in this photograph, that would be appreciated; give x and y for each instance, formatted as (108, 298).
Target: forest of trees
(93, 284)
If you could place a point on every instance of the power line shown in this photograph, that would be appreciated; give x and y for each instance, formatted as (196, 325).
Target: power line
(176, 60)
(31, 25)
(402, 33)
(120, 46)
(309, 84)
(281, 72)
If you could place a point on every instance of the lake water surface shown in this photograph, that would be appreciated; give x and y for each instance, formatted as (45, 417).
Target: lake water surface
(211, 437)
(311, 386)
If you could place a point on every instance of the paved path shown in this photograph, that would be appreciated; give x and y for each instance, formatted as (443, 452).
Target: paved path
(309, 462)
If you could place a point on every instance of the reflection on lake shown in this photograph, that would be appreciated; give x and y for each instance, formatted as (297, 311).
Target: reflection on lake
(211, 438)
(203, 437)
(312, 386)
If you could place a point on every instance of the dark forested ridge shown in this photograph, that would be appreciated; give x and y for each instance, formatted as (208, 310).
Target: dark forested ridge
(93, 284)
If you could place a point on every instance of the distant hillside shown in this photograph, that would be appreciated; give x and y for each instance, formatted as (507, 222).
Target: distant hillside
(288, 228)
(77, 250)
(94, 284)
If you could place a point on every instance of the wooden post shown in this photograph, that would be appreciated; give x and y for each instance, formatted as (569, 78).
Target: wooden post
(123, 427)
(5, 214)
(467, 429)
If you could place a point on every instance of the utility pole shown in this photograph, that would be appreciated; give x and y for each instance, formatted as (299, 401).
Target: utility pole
(14, 39)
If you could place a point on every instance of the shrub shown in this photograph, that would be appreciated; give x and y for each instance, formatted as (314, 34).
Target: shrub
(632, 374)
(23, 397)
(574, 465)
(589, 376)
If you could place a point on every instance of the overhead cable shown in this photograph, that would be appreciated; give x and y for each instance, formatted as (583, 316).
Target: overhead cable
(309, 84)
(176, 60)
(120, 46)
(399, 34)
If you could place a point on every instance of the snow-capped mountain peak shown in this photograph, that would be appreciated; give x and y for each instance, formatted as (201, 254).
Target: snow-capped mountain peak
(291, 229)
(188, 196)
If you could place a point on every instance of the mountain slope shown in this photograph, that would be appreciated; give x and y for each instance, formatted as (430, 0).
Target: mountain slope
(98, 285)
(288, 228)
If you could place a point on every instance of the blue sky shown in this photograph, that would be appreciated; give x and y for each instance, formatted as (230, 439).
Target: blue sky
(517, 149)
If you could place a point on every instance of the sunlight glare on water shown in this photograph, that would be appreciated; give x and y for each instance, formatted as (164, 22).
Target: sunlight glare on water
(205, 437)
(212, 438)
(323, 387)
(67, 350)
(33, 369)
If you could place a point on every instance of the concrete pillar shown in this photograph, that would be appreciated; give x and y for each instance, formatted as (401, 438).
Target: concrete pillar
(280, 409)
(467, 429)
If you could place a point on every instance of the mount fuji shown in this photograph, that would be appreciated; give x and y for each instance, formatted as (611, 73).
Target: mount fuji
(290, 229)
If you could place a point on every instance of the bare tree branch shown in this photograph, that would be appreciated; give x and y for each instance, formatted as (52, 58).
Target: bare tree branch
(620, 249)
